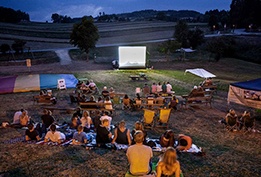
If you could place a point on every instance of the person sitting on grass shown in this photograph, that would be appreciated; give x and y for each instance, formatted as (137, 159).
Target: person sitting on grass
(47, 120)
(103, 135)
(126, 102)
(159, 88)
(16, 119)
(138, 127)
(168, 164)
(24, 118)
(31, 133)
(122, 134)
(153, 88)
(86, 121)
(79, 137)
(167, 139)
(139, 156)
(54, 136)
(106, 116)
(184, 142)
(138, 101)
(75, 122)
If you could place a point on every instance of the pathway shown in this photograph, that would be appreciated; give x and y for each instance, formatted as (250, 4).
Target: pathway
(64, 56)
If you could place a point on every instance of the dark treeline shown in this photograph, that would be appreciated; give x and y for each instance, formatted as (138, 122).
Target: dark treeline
(9, 15)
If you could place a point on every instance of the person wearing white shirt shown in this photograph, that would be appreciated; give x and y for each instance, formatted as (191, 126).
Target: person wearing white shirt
(169, 88)
(54, 136)
(17, 114)
(106, 116)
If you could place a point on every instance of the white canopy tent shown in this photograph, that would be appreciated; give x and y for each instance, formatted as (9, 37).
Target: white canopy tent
(200, 72)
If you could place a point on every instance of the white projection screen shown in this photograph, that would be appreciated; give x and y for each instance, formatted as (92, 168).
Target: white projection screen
(132, 57)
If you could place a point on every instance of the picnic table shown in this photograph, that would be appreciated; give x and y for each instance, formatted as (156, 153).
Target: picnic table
(138, 77)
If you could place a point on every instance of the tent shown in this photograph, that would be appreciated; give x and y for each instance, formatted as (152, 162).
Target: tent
(247, 93)
(35, 82)
(200, 72)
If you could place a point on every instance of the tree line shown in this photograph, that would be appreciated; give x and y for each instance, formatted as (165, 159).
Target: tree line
(9, 15)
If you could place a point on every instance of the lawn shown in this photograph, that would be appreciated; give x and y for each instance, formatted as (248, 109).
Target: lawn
(226, 153)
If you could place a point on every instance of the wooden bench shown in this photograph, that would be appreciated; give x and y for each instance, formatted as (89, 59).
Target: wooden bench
(67, 110)
(198, 100)
(95, 106)
(45, 99)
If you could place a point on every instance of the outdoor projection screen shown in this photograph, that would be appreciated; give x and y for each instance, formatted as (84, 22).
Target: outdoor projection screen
(132, 57)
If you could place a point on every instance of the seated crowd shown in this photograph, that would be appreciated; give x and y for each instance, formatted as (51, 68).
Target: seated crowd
(135, 139)
(100, 123)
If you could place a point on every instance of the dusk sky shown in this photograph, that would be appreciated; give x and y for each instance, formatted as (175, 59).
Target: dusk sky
(41, 10)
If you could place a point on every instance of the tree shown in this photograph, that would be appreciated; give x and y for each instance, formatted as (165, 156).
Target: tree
(195, 37)
(11, 16)
(245, 12)
(84, 35)
(221, 47)
(5, 48)
(181, 33)
(169, 47)
(56, 18)
(18, 46)
(161, 16)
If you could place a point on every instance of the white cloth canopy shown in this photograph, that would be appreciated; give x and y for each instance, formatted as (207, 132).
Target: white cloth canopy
(200, 72)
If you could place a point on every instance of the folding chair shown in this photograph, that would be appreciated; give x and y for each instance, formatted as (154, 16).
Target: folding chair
(116, 101)
(61, 84)
(232, 123)
(163, 119)
(248, 124)
(148, 118)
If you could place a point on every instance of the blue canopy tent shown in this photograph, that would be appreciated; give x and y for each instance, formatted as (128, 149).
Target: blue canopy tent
(247, 93)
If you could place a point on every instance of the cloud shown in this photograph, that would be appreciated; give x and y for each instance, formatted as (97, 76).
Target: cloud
(70, 10)
(80, 10)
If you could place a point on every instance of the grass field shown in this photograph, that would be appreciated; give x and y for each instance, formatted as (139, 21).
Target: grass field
(228, 154)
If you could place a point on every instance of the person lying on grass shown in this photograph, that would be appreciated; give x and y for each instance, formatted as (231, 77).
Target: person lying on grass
(31, 133)
(54, 136)
(184, 142)
(79, 137)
